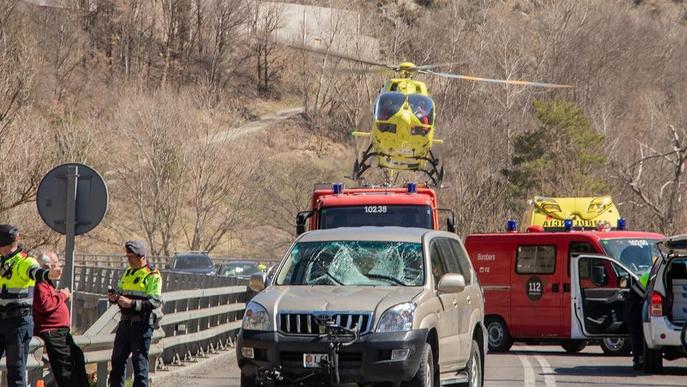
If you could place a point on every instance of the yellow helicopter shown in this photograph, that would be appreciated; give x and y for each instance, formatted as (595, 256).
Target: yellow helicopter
(403, 117)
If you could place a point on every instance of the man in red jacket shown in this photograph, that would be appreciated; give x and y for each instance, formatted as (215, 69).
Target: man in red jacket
(51, 323)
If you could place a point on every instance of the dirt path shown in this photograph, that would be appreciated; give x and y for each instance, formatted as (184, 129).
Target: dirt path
(256, 126)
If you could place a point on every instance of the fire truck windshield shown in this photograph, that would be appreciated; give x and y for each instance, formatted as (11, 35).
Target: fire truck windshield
(354, 263)
(376, 215)
(635, 253)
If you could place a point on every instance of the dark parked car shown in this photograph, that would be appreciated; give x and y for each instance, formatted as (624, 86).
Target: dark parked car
(196, 263)
(238, 269)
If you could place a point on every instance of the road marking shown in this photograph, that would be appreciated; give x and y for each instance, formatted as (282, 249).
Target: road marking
(549, 378)
(528, 370)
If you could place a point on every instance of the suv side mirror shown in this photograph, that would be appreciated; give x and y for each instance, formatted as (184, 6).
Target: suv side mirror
(451, 283)
(257, 282)
(598, 275)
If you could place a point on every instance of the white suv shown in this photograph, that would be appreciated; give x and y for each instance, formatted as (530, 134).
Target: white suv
(601, 284)
(665, 310)
(366, 305)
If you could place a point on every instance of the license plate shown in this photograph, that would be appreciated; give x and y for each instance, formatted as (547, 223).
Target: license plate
(313, 360)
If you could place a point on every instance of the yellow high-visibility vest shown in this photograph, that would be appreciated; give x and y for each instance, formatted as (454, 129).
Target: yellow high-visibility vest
(16, 286)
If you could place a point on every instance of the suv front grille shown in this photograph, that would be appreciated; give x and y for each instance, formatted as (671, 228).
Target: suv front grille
(306, 323)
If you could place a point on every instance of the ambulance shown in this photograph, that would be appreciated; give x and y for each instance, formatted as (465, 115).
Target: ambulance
(525, 276)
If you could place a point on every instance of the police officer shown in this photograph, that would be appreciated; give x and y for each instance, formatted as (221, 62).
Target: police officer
(139, 297)
(633, 307)
(18, 274)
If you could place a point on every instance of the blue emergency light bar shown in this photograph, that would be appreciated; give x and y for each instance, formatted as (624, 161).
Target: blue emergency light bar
(512, 225)
(621, 224)
(568, 224)
(411, 187)
(337, 188)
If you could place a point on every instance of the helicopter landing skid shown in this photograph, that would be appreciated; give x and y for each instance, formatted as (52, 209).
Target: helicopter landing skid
(360, 166)
(436, 174)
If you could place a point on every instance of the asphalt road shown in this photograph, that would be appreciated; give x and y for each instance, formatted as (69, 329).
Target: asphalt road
(524, 366)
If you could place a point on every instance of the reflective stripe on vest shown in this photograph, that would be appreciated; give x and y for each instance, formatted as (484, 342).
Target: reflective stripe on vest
(18, 288)
(133, 282)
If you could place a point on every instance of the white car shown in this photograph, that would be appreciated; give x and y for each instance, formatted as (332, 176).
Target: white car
(600, 285)
(665, 309)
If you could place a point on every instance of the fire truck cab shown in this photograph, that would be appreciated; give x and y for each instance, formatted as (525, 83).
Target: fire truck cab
(526, 281)
(334, 206)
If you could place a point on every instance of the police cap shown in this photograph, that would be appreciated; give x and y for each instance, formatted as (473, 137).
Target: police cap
(8, 234)
(137, 247)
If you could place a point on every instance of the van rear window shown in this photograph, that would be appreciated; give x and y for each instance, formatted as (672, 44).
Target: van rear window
(536, 260)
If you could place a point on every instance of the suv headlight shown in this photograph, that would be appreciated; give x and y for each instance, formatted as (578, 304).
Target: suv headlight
(398, 318)
(256, 318)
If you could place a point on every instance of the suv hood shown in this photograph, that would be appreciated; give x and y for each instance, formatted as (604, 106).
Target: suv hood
(334, 298)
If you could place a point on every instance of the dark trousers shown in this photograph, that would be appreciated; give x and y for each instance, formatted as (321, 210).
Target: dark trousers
(131, 338)
(633, 308)
(15, 335)
(66, 358)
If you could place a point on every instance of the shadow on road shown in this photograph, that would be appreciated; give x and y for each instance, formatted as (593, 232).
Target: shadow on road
(614, 371)
(554, 354)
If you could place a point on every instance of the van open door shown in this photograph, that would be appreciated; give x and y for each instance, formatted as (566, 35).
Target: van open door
(600, 286)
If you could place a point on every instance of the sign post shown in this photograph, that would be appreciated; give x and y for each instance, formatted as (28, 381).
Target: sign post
(72, 200)
(68, 274)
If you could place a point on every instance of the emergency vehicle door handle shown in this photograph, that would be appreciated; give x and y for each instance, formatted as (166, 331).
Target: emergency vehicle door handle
(455, 302)
(566, 288)
(555, 288)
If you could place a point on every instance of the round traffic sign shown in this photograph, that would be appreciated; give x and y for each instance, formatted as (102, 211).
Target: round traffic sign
(91, 198)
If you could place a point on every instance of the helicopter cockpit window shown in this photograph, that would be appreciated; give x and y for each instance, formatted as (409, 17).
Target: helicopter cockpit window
(388, 104)
(423, 108)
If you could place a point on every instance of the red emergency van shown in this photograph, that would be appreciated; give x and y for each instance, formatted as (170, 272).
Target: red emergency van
(526, 281)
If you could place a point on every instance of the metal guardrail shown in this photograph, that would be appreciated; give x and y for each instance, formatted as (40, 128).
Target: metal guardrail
(196, 321)
(164, 262)
(97, 279)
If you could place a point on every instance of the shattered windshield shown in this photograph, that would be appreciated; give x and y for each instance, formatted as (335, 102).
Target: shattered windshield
(636, 253)
(354, 263)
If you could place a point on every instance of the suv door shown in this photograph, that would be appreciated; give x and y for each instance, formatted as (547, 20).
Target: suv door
(599, 287)
(448, 324)
(467, 299)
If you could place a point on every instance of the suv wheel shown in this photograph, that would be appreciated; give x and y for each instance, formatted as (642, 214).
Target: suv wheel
(425, 373)
(616, 346)
(573, 346)
(499, 336)
(247, 381)
(653, 360)
(474, 367)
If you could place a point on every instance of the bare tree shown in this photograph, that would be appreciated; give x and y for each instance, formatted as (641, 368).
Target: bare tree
(265, 22)
(658, 179)
(16, 65)
(150, 164)
(217, 202)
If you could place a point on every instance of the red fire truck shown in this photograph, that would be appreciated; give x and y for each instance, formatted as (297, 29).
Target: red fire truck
(526, 280)
(333, 205)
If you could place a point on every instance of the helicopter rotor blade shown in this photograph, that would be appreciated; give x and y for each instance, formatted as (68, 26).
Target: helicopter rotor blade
(501, 81)
(341, 56)
(433, 66)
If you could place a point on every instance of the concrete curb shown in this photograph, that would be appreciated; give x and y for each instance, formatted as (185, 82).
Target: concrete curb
(175, 372)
